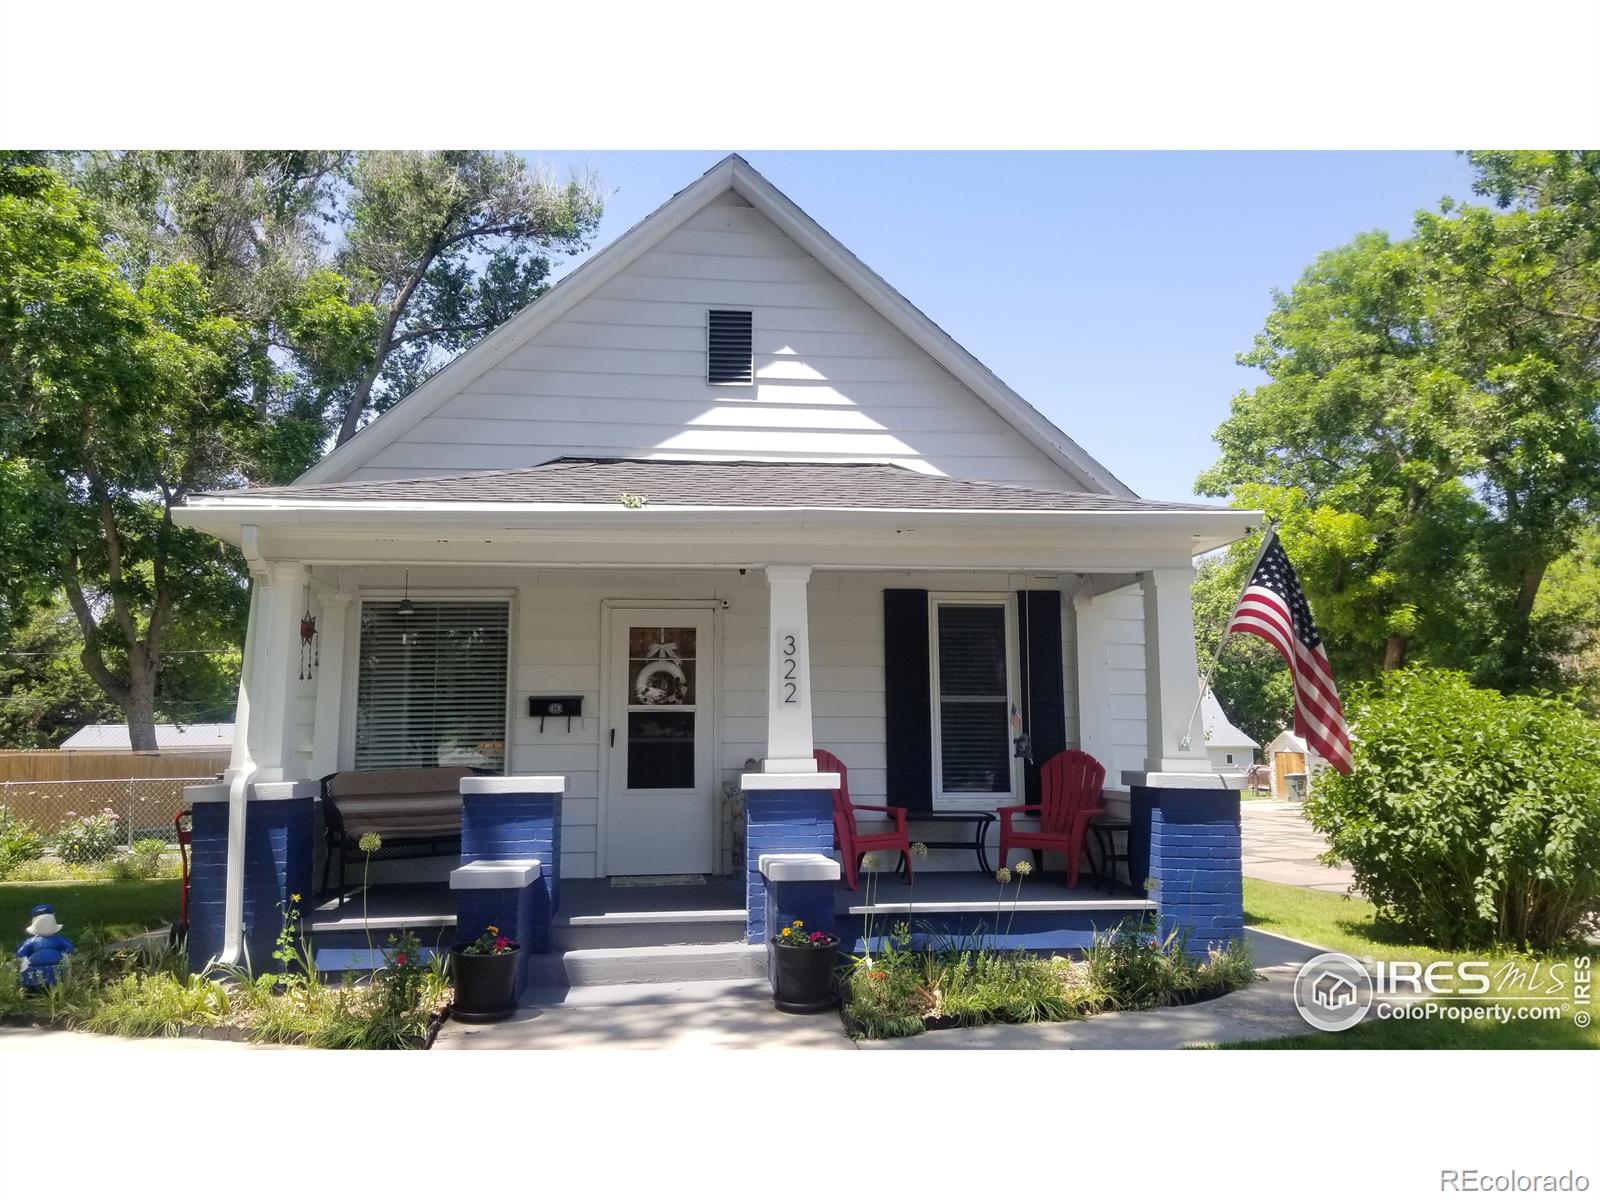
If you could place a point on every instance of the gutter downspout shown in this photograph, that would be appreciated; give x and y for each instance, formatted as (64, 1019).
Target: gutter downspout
(243, 766)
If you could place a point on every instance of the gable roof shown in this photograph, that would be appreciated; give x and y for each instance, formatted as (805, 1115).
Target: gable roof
(734, 174)
(601, 482)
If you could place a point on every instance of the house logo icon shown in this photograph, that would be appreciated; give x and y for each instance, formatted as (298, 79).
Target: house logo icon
(1333, 992)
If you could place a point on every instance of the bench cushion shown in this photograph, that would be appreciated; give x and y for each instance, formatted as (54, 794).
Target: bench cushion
(421, 803)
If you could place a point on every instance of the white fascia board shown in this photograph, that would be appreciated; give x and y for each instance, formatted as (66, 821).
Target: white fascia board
(566, 293)
(1199, 532)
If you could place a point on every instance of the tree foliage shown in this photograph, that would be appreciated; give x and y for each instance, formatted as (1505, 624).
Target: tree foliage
(179, 321)
(1429, 432)
(442, 247)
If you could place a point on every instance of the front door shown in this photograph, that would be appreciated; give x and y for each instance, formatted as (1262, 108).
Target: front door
(659, 814)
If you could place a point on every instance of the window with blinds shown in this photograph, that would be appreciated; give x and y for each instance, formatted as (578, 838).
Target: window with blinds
(972, 700)
(431, 685)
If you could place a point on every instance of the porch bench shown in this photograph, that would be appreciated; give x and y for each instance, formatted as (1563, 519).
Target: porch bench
(415, 810)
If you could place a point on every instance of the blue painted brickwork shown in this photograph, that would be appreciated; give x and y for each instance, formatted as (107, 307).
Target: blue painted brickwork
(279, 855)
(778, 822)
(521, 914)
(1195, 860)
(520, 825)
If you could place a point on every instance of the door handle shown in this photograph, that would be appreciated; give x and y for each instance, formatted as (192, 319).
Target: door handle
(613, 738)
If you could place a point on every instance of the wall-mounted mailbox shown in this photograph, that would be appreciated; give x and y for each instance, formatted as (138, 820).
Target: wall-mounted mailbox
(555, 706)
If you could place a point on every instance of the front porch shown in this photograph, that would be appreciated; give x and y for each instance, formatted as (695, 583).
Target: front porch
(608, 934)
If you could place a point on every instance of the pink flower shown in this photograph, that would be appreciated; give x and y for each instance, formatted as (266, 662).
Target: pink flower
(399, 960)
(501, 943)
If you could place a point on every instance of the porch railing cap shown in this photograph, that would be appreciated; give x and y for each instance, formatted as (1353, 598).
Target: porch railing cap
(513, 785)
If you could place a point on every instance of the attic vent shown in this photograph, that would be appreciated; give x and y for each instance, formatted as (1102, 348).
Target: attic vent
(728, 354)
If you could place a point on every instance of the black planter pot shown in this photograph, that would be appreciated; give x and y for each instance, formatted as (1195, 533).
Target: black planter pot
(805, 977)
(486, 984)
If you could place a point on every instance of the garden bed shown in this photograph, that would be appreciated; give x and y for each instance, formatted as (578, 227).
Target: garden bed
(902, 992)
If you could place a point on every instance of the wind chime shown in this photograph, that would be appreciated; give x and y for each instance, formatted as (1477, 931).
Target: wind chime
(1022, 742)
(310, 643)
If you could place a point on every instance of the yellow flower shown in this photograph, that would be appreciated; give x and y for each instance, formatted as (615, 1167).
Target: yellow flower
(1024, 867)
(295, 897)
(799, 924)
(1003, 875)
(492, 928)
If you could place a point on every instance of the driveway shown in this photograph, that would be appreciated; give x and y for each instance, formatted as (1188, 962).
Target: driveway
(1281, 847)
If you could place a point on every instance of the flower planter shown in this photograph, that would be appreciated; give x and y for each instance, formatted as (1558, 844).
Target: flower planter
(805, 977)
(485, 984)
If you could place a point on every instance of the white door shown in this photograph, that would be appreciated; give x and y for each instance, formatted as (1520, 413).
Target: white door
(659, 815)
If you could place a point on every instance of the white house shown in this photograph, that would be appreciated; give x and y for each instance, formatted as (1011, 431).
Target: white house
(732, 495)
(1229, 747)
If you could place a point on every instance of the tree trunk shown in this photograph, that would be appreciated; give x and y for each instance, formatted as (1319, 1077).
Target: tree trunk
(1394, 651)
(358, 405)
(141, 711)
(1528, 589)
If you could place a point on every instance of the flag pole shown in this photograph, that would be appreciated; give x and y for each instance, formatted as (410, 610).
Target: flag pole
(1227, 632)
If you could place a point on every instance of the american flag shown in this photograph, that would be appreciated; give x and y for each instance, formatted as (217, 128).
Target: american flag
(1274, 608)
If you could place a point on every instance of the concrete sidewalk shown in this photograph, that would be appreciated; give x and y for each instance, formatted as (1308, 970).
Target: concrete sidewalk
(1280, 846)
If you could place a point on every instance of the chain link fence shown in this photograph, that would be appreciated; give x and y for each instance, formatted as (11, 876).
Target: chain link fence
(143, 808)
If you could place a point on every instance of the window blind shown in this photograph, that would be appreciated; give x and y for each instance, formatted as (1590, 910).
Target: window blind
(431, 686)
(974, 741)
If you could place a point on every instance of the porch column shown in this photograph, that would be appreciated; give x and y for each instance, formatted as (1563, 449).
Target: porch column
(240, 761)
(1171, 676)
(789, 745)
(278, 618)
(331, 629)
(1094, 681)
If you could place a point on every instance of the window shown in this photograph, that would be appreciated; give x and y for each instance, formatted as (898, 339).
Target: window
(729, 357)
(1230, 758)
(431, 686)
(972, 698)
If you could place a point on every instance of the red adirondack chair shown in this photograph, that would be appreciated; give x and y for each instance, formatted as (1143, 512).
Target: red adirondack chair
(185, 840)
(851, 843)
(1069, 788)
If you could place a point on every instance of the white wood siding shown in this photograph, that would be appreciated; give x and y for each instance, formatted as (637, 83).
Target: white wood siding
(1126, 682)
(623, 374)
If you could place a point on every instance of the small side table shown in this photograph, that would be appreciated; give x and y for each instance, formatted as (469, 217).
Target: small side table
(980, 819)
(1105, 830)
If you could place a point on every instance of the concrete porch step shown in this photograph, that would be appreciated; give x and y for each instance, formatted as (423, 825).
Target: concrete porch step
(620, 930)
(647, 964)
(334, 961)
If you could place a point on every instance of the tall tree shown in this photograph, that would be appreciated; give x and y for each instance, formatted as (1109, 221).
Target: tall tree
(445, 246)
(130, 377)
(1428, 431)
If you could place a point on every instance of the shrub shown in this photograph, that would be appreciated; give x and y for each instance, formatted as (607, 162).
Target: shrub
(1470, 817)
(91, 839)
(19, 841)
(144, 861)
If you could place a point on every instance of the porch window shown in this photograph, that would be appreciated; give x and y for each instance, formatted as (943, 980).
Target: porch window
(972, 699)
(431, 685)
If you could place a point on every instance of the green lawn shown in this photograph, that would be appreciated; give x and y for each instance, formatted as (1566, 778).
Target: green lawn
(122, 908)
(1349, 924)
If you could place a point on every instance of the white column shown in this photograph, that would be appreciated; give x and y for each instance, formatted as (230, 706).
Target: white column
(1171, 676)
(272, 739)
(789, 745)
(1095, 735)
(332, 622)
(241, 762)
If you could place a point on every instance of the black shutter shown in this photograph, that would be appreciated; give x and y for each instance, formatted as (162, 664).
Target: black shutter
(1044, 707)
(907, 701)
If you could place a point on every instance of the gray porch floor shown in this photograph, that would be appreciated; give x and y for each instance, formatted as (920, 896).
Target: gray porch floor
(393, 904)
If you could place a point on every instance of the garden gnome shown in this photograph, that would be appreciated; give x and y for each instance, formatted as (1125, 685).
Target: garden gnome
(45, 950)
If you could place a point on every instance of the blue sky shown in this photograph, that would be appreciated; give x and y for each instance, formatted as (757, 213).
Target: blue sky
(1112, 290)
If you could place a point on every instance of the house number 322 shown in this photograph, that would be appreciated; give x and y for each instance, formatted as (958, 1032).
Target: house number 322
(789, 668)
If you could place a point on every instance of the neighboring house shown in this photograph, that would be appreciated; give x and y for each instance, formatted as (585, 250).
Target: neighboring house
(168, 737)
(1287, 754)
(729, 490)
(1228, 747)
